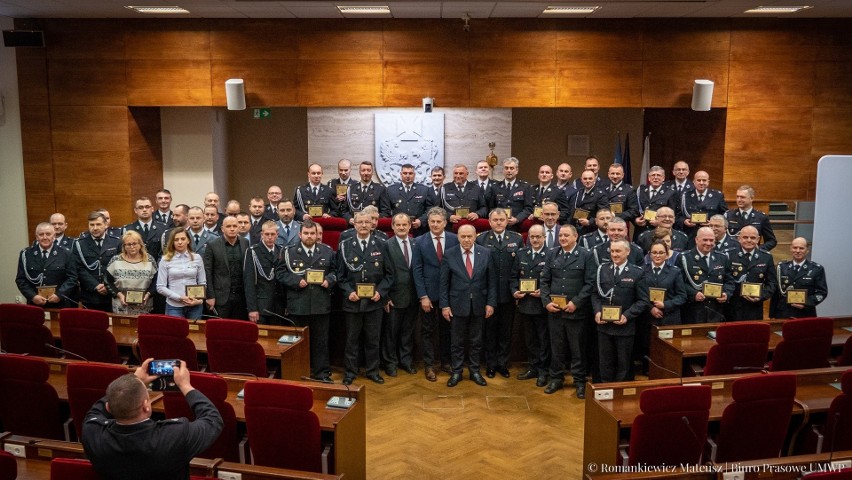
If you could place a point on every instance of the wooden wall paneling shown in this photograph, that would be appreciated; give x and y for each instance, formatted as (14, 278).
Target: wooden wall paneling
(267, 82)
(165, 82)
(146, 151)
(260, 39)
(177, 39)
(421, 40)
(687, 40)
(330, 84)
(771, 84)
(76, 208)
(32, 76)
(89, 129)
(591, 83)
(835, 43)
(39, 185)
(35, 129)
(670, 83)
(773, 40)
(340, 40)
(831, 83)
(407, 82)
(831, 131)
(101, 39)
(82, 82)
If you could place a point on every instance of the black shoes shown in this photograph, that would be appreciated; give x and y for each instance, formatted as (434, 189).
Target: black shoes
(376, 378)
(528, 375)
(477, 379)
(409, 369)
(503, 371)
(554, 387)
(541, 381)
(348, 380)
(490, 372)
(455, 379)
(391, 371)
(581, 391)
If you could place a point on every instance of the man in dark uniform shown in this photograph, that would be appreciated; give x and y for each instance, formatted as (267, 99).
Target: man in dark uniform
(697, 201)
(223, 266)
(122, 441)
(616, 229)
(568, 275)
(546, 191)
(257, 218)
(163, 213)
(699, 266)
(620, 196)
(463, 194)
(364, 193)
(92, 254)
(410, 198)
(365, 277)
(649, 198)
(586, 203)
(398, 337)
(666, 220)
(309, 303)
(436, 188)
(724, 243)
(592, 163)
(750, 266)
(274, 196)
(680, 183)
(263, 293)
(46, 265)
(563, 179)
(513, 194)
(198, 235)
(529, 264)
(288, 227)
(621, 289)
(593, 239)
(373, 212)
(798, 274)
(150, 230)
(344, 168)
(109, 230)
(505, 245)
(315, 194)
(57, 220)
(745, 214)
(468, 297)
(484, 181)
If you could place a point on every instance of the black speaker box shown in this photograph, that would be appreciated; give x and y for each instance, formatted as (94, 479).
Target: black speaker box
(23, 38)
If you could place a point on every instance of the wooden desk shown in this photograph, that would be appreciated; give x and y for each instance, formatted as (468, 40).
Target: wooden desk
(689, 344)
(294, 359)
(608, 422)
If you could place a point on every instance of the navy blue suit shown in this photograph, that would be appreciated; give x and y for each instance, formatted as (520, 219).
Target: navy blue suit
(427, 281)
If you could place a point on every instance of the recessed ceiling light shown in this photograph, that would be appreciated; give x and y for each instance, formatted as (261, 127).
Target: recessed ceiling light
(791, 9)
(365, 9)
(576, 10)
(161, 10)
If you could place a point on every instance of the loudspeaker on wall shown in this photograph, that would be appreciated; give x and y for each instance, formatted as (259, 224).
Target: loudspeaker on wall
(235, 92)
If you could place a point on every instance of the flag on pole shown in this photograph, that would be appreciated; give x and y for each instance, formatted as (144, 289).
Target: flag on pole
(625, 161)
(618, 157)
(646, 160)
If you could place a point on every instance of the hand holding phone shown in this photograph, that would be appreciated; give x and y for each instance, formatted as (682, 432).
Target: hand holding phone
(163, 368)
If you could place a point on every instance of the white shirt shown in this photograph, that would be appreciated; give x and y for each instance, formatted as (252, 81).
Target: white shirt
(472, 259)
(442, 236)
(403, 247)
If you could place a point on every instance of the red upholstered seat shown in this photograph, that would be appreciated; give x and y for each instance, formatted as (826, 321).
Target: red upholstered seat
(529, 222)
(232, 348)
(660, 435)
(738, 344)
(163, 336)
(283, 431)
(85, 332)
(385, 225)
(843, 474)
(332, 239)
(8, 466)
(72, 469)
(22, 330)
(838, 426)
(29, 405)
(480, 224)
(334, 224)
(214, 388)
(754, 425)
(87, 383)
(806, 344)
(845, 359)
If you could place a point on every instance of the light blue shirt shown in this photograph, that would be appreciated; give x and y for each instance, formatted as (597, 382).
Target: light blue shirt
(174, 275)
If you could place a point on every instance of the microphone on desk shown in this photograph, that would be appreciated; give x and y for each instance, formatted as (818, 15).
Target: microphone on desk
(833, 437)
(760, 369)
(67, 352)
(335, 401)
(239, 374)
(717, 317)
(282, 317)
(677, 375)
(317, 380)
(74, 302)
(698, 443)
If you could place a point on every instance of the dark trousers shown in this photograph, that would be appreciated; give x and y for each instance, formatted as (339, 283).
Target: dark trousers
(498, 335)
(615, 357)
(234, 308)
(741, 309)
(104, 305)
(537, 336)
(591, 358)
(370, 324)
(567, 342)
(398, 336)
(318, 331)
(159, 306)
(708, 311)
(466, 330)
(432, 323)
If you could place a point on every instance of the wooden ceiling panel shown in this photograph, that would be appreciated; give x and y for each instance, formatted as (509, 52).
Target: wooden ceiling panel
(669, 84)
(406, 83)
(168, 83)
(589, 83)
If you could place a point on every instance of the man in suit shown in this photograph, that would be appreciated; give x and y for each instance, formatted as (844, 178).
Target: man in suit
(725, 243)
(110, 230)
(344, 167)
(550, 216)
(437, 185)
(363, 261)
(504, 245)
(46, 264)
(468, 296)
(364, 193)
(529, 264)
(750, 265)
(798, 274)
(274, 196)
(649, 199)
(257, 217)
(593, 239)
(592, 163)
(150, 230)
(288, 228)
(198, 235)
(410, 198)
(513, 194)
(315, 194)
(701, 265)
(546, 191)
(57, 220)
(223, 266)
(398, 337)
(463, 194)
(699, 199)
(620, 196)
(568, 273)
(429, 251)
(618, 286)
(616, 229)
(680, 183)
(309, 304)
(483, 179)
(163, 214)
(586, 203)
(262, 291)
(745, 214)
(92, 254)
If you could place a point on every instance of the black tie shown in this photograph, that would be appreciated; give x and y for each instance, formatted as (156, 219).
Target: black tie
(615, 272)
(499, 240)
(99, 242)
(482, 185)
(310, 254)
(656, 271)
(196, 239)
(44, 255)
(680, 188)
(795, 268)
(287, 231)
(651, 194)
(145, 229)
(363, 245)
(316, 191)
(701, 198)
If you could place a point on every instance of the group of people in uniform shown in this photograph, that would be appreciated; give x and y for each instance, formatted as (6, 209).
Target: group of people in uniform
(555, 253)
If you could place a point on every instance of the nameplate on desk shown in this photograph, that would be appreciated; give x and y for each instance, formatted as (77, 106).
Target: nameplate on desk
(686, 332)
(365, 290)
(711, 290)
(341, 188)
(46, 291)
(314, 277)
(194, 327)
(610, 313)
(462, 212)
(561, 301)
(340, 402)
(657, 294)
(315, 210)
(750, 289)
(44, 452)
(698, 218)
(616, 208)
(528, 285)
(581, 214)
(124, 321)
(665, 334)
(288, 339)
(55, 367)
(650, 215)
(797, 296)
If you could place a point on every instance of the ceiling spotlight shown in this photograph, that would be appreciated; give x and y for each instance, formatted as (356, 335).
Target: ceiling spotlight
(572, 10)
(778, 9)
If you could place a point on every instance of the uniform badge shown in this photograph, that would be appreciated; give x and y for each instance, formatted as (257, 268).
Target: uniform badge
(699, 271)
(786, 281)
(696, 277)
(377, 264)
(697, 257)
(760, 276)
(355, 259)
(740, 268)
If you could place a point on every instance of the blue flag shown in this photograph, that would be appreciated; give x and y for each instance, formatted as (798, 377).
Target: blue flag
(617, 148)
(628, 175)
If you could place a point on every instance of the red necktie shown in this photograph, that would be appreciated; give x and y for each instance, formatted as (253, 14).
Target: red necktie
(438, 250)
(467, 264)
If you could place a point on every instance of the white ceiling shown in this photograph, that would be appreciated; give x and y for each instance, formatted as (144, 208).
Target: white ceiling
(415, 8)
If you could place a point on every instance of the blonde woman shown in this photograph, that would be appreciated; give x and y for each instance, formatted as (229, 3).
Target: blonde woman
(179, 268)
(132, 270)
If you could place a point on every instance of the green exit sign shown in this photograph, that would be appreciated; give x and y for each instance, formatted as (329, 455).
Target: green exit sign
(261, 113)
